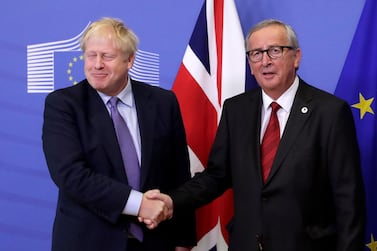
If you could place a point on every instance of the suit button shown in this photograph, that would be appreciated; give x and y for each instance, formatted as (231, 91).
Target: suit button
(264, 197)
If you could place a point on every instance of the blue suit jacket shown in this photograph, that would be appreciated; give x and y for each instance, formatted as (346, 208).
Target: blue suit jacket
(85, 162)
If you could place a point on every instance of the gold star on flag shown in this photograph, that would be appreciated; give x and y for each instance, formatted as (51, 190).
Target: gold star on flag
(372, 245)
(364, 106)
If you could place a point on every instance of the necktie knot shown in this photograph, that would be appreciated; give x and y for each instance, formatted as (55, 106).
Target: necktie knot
(275, 107)
(114, 102)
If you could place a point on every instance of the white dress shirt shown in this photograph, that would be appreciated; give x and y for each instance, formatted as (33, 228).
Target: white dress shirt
(285, 101)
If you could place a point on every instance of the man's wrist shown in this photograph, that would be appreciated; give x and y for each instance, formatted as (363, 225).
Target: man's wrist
(133, 203)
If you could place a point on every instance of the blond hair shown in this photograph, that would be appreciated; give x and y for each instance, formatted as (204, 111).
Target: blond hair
(125, 39)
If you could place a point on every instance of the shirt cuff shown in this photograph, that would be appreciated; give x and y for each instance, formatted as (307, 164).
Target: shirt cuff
(133, 203)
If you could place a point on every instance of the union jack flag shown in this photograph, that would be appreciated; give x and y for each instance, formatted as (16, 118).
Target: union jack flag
(213, 69)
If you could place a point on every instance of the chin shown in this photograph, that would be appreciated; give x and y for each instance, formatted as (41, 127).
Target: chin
(98, 86)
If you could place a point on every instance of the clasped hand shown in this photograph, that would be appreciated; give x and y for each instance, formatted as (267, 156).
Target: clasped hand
(155, 208)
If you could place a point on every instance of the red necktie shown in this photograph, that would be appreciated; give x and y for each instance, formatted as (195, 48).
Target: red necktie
(270, 141)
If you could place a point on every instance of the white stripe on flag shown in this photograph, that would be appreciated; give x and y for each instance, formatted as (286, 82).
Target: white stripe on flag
(211, 239)
(233, 70)
(199, 73)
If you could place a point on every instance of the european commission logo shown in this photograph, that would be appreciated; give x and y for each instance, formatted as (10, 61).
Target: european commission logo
(59, 64)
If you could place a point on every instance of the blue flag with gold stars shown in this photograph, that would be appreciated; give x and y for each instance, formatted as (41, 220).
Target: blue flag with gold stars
(358, 86)
(68, 68)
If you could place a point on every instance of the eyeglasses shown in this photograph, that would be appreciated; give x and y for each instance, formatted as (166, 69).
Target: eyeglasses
(273, 52)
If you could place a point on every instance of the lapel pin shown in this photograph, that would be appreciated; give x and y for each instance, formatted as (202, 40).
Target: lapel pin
(304, 109)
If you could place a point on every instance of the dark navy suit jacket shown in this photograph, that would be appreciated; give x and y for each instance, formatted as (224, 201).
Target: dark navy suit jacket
(84, 160)
(313, 199)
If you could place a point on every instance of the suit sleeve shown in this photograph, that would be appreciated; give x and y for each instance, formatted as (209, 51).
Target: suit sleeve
(206, 186)
(346, 179)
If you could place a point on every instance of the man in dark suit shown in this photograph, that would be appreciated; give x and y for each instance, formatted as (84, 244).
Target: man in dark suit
(96, 204)
(312, 197)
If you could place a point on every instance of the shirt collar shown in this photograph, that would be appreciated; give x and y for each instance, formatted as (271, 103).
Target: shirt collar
(126, 95)
(285, 100)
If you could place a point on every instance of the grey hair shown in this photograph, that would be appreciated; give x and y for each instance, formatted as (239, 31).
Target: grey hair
(291, 34)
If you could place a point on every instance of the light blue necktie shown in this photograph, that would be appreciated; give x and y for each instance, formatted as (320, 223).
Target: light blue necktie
(129, 156)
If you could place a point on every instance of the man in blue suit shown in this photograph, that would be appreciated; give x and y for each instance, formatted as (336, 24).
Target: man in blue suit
(96, 204)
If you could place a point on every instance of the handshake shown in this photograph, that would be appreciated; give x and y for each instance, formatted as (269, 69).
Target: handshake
(155, 207)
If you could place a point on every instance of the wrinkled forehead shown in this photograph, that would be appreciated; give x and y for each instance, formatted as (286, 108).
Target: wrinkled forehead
(268, 36)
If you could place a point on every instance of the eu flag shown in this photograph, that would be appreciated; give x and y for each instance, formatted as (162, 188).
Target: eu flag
(358, 85)
(68, 68)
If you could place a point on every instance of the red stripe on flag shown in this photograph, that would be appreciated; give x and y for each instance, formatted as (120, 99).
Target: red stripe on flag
(217, 26)
(199, 115)
(208, 216)
(219, 22)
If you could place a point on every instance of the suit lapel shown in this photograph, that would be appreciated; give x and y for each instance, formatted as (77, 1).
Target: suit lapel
(103, 127)
(300, 112)
(146, 113)
(254, 125)
(244, 122)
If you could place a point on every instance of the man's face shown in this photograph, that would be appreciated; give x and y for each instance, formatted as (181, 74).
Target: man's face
(106, 66)
(274, 76)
